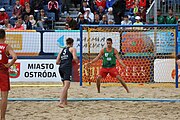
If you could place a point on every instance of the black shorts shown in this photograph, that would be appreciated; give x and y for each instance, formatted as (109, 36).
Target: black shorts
(65, 73)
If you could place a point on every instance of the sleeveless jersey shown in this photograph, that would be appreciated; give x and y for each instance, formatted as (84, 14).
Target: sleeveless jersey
(3, 56)
(109, 59)
(66, 58)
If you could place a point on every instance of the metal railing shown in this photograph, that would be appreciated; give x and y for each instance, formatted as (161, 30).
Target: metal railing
(164, 6)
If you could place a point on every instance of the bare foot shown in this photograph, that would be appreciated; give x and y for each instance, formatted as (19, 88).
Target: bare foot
(61, 105)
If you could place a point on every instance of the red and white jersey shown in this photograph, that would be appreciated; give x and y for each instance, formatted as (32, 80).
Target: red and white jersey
(3, 56)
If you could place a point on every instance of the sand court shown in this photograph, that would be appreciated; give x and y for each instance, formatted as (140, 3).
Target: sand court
(94, 110)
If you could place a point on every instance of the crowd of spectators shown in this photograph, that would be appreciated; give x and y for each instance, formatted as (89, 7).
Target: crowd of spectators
(31, 14)
(28, 14)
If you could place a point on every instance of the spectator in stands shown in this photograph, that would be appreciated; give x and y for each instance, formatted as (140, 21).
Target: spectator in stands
(138, 21)
(7, 25)
(53, 6)
(110, 14)
(32, 20)
(109, 3)
(126, 21)
(27, 22)
(18, 26)
(82, 21)
(110, 22)
(101, 12)
(171, 19)
(72, 23)
(88, 15)
(17, 10)
(104, 19)
(100, 3)
(38, 4)
(160, 18)
(23, 2)
(42, 20)
(65, 4)
(28, 10)
(143, 14)
(96, 19)
(77, 18)
(75, 2)
(84, 6)
(119, 8)
(67, 27)
(20, 19)
(135, 10)
(3, 16)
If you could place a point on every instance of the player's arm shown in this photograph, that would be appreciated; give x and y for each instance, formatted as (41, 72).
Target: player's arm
(11, 52)
(98, 57)
(118, 58)
(178, 59)
(58, 60)
(74, 53)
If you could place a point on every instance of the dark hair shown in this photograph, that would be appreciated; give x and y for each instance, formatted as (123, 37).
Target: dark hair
(69, 41)
(109, 39)
(171, 9)
(126, 16)
(2, 33)
(159, 10)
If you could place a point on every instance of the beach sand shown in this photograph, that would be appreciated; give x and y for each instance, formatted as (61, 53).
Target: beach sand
(94, 110)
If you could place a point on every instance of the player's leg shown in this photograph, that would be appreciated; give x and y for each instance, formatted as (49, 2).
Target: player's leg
(4, 97)
(64, 93)
(123, 83)
(114, 73)
(102, 74)
(98, 82)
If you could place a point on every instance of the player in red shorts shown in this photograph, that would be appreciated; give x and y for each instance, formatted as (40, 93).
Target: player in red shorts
(110, 55)
(5, 51)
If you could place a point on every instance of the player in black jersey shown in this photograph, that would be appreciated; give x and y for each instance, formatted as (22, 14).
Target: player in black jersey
(64, 59)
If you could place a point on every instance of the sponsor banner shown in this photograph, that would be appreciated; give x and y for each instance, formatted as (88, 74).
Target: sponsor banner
(164, 70)
(23, 42)
(38, 70)
(143, 42)
(137, 70)
(54, 41)
(33, 70)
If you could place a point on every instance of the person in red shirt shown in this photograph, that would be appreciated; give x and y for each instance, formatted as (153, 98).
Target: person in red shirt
(101, 3)
(5, 51)
(17, 10)
(22, 2)
(53, 6)
(3, 16)
(18, 26)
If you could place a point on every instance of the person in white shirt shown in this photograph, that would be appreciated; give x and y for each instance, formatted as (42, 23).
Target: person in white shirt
(89, 15)
(110, 14)
(126, 21)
